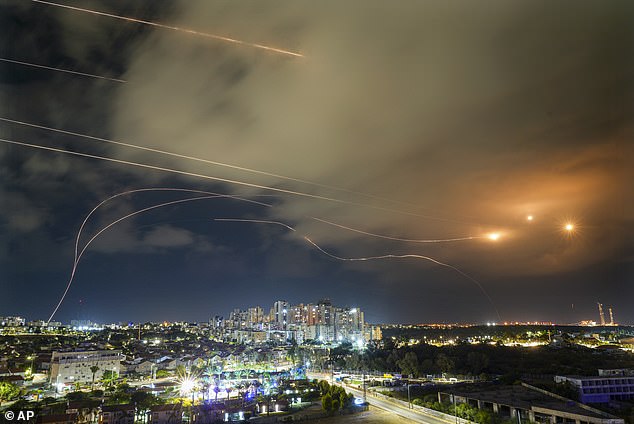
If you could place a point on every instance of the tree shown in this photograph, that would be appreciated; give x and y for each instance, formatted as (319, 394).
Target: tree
(93, 370)
(326, 402)
(324, 387)
(409, 364)
(8, 391)
(445, 363)
(109, 377)
(162, 374)
(144, 401)
(477, 362)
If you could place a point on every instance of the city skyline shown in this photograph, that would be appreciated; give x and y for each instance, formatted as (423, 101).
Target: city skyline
(424, 162)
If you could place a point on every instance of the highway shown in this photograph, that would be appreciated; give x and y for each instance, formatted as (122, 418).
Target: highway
(393, 406)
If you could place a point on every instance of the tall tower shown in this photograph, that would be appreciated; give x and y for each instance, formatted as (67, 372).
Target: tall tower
(601, 316)
(611, 316)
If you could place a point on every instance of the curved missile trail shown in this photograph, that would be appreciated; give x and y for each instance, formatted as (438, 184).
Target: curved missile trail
(212, 178)
(175, 28)
(407, 256)
(141, 190)
(227, 165)
(372, 258)
(396, 238)
(68, 71)
(78, 256)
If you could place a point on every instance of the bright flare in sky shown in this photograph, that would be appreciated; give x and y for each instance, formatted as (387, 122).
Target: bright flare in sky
(494, 236)
(569, 227)
(529, 218)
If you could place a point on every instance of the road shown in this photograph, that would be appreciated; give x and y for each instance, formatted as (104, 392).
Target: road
(393, 407)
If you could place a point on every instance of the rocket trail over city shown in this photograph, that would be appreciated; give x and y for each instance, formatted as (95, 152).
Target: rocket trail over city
(256, 221)
(222, 38)
(68, 71)
(407, 240)
(213, 178)
(373, 258)
(155, 189)
(231, 166)
(407, 256)
(211, 195)
(79, 255)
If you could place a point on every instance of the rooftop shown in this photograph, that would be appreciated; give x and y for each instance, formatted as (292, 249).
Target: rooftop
(525, 397)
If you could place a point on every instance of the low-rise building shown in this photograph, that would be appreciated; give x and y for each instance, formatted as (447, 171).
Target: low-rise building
(75, 367)
(601, 389)
(171, 413)
(117, 414)
(527, 403)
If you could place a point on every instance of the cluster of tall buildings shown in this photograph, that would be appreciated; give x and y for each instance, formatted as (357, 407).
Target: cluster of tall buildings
(321, 322)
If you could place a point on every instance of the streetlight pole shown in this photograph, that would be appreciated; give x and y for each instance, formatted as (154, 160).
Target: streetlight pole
(409, 399)
(364, 391)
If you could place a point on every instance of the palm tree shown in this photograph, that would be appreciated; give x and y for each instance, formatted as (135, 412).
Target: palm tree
(241, 387)
(94, 370)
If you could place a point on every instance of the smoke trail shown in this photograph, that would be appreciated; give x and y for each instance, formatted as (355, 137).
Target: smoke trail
(51, 68)
(257, 221)
(78, 256)
(408, 256)
(140, 190)
(175, 28)
(236, 167)
(396, 238)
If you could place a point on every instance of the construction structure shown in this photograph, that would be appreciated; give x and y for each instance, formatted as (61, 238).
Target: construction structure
(601, 315)
(602, 320)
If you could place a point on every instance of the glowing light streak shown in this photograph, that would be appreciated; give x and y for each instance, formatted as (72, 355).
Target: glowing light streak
(176, 28)
(210, 177)
(406, 256)
(494, 236)
(257, 221)
(68, 71)
(181, 172)
(236, 167)
(396, 238)
(79, 255)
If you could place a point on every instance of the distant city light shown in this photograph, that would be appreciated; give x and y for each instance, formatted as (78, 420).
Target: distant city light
(529, 218)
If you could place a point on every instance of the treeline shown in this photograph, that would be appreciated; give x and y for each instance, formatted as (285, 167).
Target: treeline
(467, 359)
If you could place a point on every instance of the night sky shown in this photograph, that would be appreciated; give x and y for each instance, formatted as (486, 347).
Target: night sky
(410, 120)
